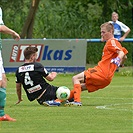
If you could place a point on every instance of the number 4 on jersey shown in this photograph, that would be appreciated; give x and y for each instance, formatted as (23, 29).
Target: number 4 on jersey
(27, 79)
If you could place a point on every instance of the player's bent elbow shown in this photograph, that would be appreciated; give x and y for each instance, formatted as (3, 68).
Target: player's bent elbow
(49, 78)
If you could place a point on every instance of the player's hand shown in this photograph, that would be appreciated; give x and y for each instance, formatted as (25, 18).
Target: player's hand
(121, 39)
(16, 36)
(116, 61)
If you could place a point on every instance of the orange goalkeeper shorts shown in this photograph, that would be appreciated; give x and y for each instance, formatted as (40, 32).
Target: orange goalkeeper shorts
(94, 80)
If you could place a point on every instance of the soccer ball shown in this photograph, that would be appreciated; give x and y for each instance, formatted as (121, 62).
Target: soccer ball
(63, 93)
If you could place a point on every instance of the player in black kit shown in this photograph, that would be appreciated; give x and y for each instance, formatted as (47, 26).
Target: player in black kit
(31, 75)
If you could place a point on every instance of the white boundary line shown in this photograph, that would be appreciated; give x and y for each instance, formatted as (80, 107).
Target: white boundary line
(104, 98)
(113, 106)
(110, 107)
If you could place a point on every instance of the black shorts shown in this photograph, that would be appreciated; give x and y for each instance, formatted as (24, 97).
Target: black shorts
(50, 94)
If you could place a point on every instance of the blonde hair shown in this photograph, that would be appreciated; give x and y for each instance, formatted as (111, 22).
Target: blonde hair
(115, 13)
(108, 26)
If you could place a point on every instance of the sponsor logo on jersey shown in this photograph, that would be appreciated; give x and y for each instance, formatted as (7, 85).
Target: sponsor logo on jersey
(34, 89)
(43, 54)
(26, 68)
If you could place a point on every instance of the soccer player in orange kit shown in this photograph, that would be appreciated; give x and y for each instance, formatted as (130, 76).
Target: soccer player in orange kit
(101, 75)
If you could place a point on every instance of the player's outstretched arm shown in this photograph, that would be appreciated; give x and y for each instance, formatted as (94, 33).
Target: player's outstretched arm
(19, 92)
(6, 30)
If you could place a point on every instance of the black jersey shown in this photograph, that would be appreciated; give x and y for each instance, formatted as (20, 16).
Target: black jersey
(31, 76)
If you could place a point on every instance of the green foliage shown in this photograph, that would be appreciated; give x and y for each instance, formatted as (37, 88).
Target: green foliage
(66, 18)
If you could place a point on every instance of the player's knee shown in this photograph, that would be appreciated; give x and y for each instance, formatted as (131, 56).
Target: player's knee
(74, 78)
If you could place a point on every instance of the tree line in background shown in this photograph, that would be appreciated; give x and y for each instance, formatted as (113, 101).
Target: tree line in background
(65, 19)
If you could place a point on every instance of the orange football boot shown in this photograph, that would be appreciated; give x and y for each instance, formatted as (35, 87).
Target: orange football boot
(7, 118)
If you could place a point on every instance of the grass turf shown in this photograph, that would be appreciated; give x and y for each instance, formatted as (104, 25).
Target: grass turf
(108, 110)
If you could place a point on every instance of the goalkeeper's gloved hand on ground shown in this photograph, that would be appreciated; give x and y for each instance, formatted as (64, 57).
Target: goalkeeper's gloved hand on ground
(116, 61)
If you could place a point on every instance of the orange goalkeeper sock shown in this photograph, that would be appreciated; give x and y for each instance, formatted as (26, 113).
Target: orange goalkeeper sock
(77, 92)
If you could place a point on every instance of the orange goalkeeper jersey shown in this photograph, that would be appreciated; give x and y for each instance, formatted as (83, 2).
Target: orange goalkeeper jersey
(105, 66)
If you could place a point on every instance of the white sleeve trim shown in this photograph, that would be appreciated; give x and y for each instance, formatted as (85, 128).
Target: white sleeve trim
(124, 28)
(1, 21)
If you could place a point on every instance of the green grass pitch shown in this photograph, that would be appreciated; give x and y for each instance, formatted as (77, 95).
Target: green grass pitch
(109, 110)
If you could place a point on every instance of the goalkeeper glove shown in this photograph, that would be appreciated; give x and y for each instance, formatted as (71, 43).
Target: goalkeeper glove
(116, 61)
